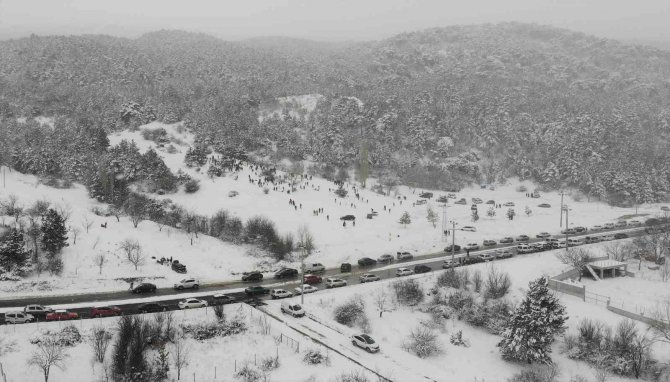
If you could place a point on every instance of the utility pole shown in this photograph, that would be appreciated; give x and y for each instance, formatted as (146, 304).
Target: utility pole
(561, 221)
(445, 237)
(453, 242)
(302, 269)
(567, 229)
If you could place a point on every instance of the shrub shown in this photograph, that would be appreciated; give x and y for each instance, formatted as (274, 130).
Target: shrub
(248, 373)
(68, 336)
(315, 357)
(205, 331)
(450, 278)
(218, 312)
(458, 340)
(191, 186)
(536, 373)
(459, 300)
(423, 342)
(477, 281)
(408, 292)
(497, 283)
(352, 376)
(269, 363)
(352, 313)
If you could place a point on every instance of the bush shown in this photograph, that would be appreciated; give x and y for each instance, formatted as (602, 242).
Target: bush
(205, 331)
(536, 373)
(458, 340)
(423, 342)
(408, 292)
(218, 312)
(269, 363)
(352, 376)
(497, 283)
(192, 186)
(459, 300)
(352, 313)
(451, 278)
(249, 374)
(68, 336)
(315, 357)
(477, 281)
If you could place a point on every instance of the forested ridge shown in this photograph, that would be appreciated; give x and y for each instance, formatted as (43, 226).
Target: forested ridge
(440, 107)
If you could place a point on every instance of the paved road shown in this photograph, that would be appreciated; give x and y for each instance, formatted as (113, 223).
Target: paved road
(433, 260)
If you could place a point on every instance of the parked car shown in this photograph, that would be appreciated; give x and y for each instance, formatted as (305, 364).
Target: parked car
(222, 299)
(461, 201)
(620, 224)
(366, 262)
(477, 201)
(187, 284)
(385, 258)
(422, 268)
(404, 256)
(523, 238)
(252, 276)
(366, 342)
(421, 202)
(568, 231)
(487, 256)
(471, 260)
(543, 235)
(314, 267)
(345, 267)
(575, 241)
(469, 228)
(190, 303)
(426, 195)
(403, 272)
(597, 228)
(606, 237)
(634, 223)
(509, 204)
(539, 246)
(105, 311)
(442, 199)
(144, 288)
(37, 311)
(334, 282)
(61, 315)
(18, 318)
(256, 290)
(472, 246)
(504, 253)
(151, 307)
(580, 229)
(507, 240)
(312, 279)
(348, 217)
(591, 239)
(306, 288)
(451, 195)
(609, 226)
(665, 208)
(523, 249)
(456, 247)
(293, 309)
(620, 235)
(543, 205)
(490, 202)
(178, 267)
(280, 293)
(490, 243)
(368, 277)
(448, 263)
(286, 273)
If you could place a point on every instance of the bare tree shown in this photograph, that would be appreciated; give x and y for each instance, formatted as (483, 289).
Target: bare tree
(116, 212)
(381, 301)
(99, 341)
(305, 239)
(96, 241)
(180, 354)
(49, 354)
(86, 222)
(432, 217)
(65, 211)
(575, 257)
(136, 207)
(100, 260)
(75, 232)
(661, 323)
(133, 252)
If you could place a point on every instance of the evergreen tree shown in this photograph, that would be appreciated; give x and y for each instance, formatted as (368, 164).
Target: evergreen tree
(511, 213)
(432, 216)
(14, 258)
(364, 165)
(491, 212)
(528, 211)
(53, 232)
(531, 330)
(405, 219)
(475, 216)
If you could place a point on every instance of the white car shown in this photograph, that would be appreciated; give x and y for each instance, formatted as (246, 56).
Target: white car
(280, 293)
(450, 264)
(606, 237)
(294, 310)
(472, 246)
(365, 342)
(190, 303)
(610, 225)
(18, 318)
(634, 223)
(385, 258)
(403, 272)
(334, 282)
(306, 288)
(187, 284)
(523, 248)
(504, 253)
(469, 228)
(487, 256)
(37, 310)
(404, 255)
(368, 277)
(314, 267)
(597, 228)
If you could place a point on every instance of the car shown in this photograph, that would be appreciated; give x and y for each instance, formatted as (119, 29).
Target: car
(562, 243)
(469, 228)
(252, 276)
(597, 228)
(575, 241)
(634, 223)
(256, 290)
(222, 299)
(620, 224)
(473, 207)
(190, 303)
(487, 256)
(280, 293)
(620, 235)
(404, 256)
(348, 217)
(504, 253)
(233, 193)
(151, 307)
(422, 268)
(606, 237)
(523, 249)
(366, 262)
(286, 273)
(509, 204)
(312, 279)
(580, 229)
(368, 277)
(187, 284)
(591, 239)
(18, 318)
(543, 205)
(490, 243)
(477, 201)
(472, 246)
(314, 267)
(345, 267)
(178, 267)
(455, 246)
(385, 258)
(461, 201)
(293, 309)
(665, 208)
(365, 342)
(61, 315)
(568, 231)
(448, 263)
(421, 202)
(507, 240)
(471, 260)
(144, 288)
(451, 195)
(334, 282)
(426, 195)
(37, 311)
(539, 246)
(403, 272)
(543, 235)
(609, 226)
(653, 229)
(306, 288)
(490, 202)
(523, 238)
(105, 311)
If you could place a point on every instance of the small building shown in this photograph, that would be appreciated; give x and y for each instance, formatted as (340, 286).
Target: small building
(601, 266)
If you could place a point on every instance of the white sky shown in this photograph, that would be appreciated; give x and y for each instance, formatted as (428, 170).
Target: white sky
(332, 20)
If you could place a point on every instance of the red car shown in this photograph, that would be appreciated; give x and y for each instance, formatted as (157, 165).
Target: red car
(312, 279)
(105, 311)
(62, 315)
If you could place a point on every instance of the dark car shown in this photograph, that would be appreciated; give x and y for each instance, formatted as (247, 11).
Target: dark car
(221, 299)
(461, 201)
(490, 243)
(490, 202)
(345, 267)
(105, 311)
(348, 217)
(256, 290)
(456, 247)
(620, 235)
(312, 279)
(522, 238)
(252, 276)
(144, 288)
(580, 229)
(506, 240)
(422, 268)
(366, 262)
(151, 307)
(178, 267)
(442, 199)
(426, 195)
(544, 205)
(286, 272)
(471, 260)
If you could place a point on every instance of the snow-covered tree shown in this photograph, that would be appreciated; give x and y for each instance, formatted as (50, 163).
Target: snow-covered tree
(491, 212)
(528, 211)
(54, 232)
(14, 258)
(475, 216)
(405, 219)
(533, 326)
(511, 213)
(432, 217)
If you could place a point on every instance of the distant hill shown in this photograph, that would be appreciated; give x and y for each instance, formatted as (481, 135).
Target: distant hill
(442, 107)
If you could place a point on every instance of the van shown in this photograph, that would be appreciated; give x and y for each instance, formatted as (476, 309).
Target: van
(575, 242)
(292, 308)
(523, 248)
(314, 267)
